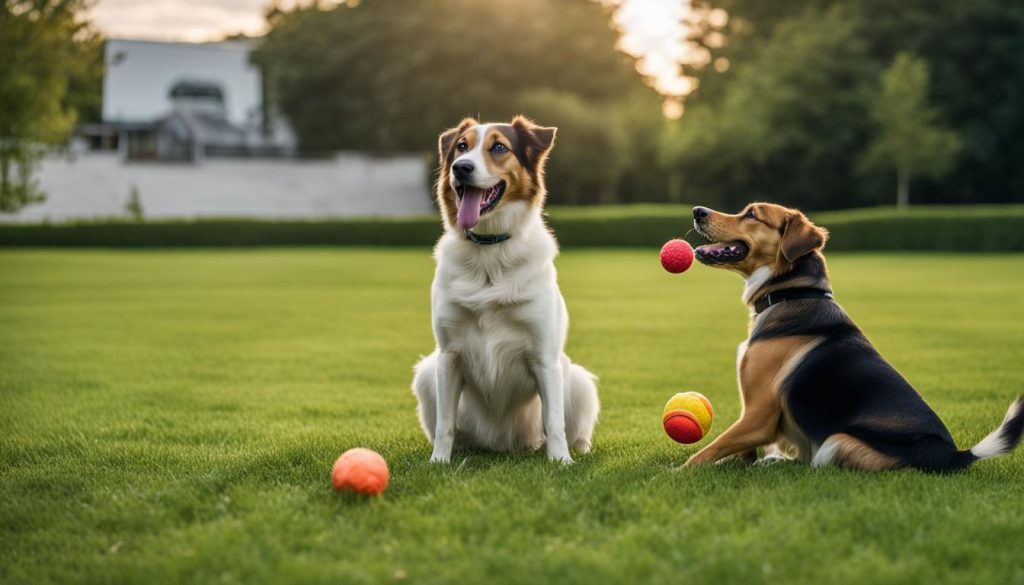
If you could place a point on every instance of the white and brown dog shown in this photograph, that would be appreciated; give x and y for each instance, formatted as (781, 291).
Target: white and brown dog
(499, 378)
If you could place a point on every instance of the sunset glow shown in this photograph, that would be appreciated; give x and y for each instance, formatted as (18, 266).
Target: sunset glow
(653, 30)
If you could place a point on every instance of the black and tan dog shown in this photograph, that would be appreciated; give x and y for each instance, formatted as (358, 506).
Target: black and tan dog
(811, 383)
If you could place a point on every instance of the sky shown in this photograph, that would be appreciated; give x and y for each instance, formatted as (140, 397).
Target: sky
(653, 29)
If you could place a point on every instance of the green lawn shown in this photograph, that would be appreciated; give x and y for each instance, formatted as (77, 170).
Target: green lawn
(173, 417)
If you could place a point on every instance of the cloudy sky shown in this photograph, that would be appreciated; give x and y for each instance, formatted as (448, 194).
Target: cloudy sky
(652, 27)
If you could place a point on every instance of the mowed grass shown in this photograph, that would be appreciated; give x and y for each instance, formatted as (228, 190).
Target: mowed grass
(173, 417)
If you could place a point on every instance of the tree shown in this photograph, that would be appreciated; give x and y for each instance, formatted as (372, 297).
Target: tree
(580, 170)
(45, 46)
(910, 138)
(389, 75)
(976, 65)
(786, 122)
(84, 94)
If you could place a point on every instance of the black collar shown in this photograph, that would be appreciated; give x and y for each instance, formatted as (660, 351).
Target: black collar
(486, 239)
(790, 294)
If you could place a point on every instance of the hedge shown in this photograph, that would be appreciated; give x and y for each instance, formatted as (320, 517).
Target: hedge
(964, 229)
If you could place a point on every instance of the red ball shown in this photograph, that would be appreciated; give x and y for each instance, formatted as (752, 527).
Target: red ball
(683, 427)
(360, 470)
(676, 256)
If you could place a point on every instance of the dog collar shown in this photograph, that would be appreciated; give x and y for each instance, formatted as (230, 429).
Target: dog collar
(790, 294)
(486, 239)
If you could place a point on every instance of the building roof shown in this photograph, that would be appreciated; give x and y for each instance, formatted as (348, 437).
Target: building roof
(196, 88)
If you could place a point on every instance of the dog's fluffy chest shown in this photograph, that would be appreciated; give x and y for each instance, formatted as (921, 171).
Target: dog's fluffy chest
(501, 281)
(495, 352)
(495, 327)
(494, 308)
(493, 291)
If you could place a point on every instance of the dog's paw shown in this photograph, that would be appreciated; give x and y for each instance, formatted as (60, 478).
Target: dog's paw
(565, 459)
(440, 458)
(698, 459)
(582, 446)
(770, 459)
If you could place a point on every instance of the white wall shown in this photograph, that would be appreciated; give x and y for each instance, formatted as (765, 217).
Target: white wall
(350, 185)
(140, 75)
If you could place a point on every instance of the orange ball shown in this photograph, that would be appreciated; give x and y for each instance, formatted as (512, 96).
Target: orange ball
(361, 470)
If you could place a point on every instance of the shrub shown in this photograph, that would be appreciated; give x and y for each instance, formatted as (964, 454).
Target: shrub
(952, 229)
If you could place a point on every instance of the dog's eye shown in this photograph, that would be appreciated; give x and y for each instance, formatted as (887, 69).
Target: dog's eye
(499, 148)
(461, 146)
(750, 214)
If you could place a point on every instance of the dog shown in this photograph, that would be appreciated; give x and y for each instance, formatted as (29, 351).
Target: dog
(811, 384)
(499, 378)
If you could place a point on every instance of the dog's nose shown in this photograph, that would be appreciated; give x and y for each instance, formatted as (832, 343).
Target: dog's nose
(700, 213)
(462, 170)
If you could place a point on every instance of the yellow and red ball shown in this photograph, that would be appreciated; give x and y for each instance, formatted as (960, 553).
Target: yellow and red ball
(687, 417)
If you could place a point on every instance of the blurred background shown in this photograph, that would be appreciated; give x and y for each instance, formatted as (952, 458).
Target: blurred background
(125, 111)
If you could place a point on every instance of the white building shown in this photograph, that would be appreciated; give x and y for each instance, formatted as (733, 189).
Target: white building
(186, 131)
(185, 101)
(141, 74)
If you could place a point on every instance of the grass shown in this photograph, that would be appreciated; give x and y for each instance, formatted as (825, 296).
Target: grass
(173, 416)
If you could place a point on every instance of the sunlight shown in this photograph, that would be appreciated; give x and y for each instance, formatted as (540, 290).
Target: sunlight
(653, 30)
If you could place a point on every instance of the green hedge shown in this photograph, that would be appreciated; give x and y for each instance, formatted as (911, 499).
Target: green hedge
(223, 232)
(969, 229)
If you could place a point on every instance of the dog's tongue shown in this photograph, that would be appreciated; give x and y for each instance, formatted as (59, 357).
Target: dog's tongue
(469, 208)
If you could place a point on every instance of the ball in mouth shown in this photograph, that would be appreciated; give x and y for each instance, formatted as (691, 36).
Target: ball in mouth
(722, 252)
(474, 202)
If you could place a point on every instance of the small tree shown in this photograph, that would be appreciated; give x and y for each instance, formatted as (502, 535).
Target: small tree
(910, 137)
(18, 186)
(50, 67)
(133, 206)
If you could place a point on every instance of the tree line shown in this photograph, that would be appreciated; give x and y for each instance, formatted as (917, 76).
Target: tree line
(816, 103)
(830, 103)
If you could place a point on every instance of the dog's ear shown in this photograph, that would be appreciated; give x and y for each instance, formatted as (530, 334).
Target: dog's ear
(447, 139)
(535, 141)
(800, 237)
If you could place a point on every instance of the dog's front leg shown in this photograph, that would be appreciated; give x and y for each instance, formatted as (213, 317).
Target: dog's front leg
(746, 433)
(449, 389)
(757, 426)
(551, 381)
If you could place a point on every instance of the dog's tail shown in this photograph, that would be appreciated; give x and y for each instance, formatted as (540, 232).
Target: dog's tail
(1001, 441)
